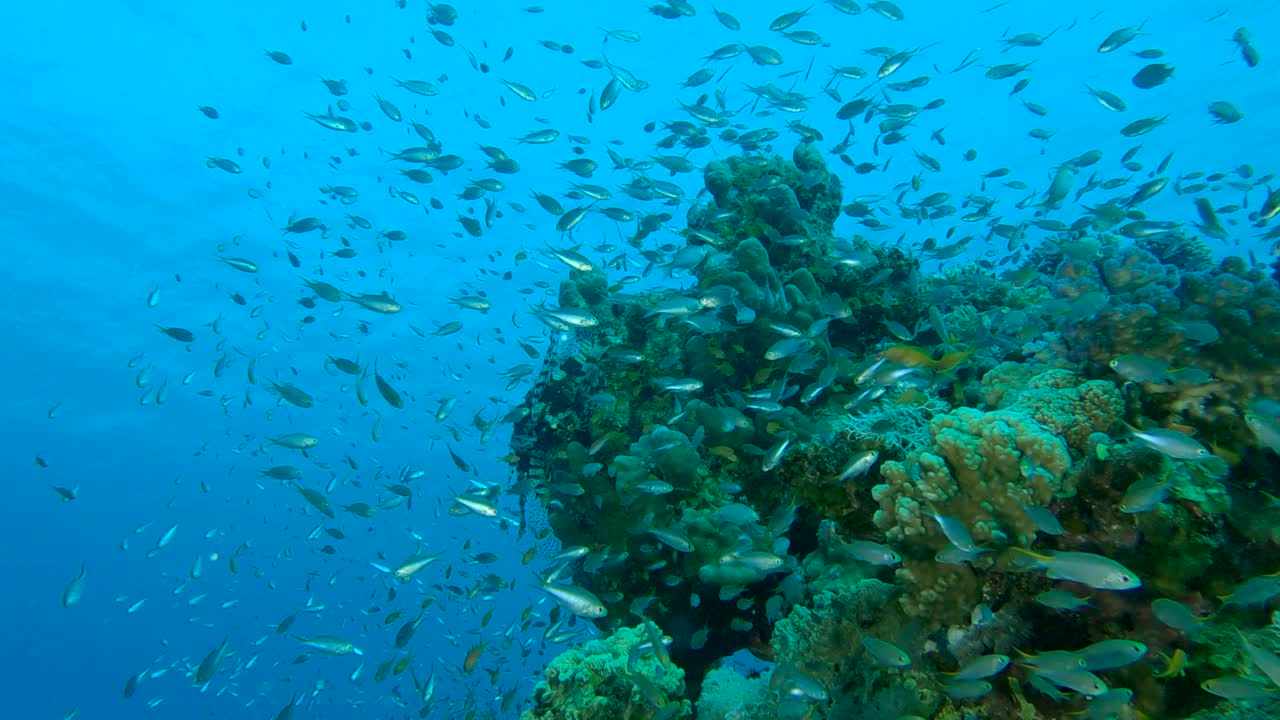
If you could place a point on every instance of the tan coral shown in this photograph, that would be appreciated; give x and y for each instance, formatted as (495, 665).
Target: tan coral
(1061, 401)
(988, 467)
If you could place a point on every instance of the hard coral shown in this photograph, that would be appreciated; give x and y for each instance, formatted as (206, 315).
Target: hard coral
(1061, 401)
(600, 680)
(987, 468)
(727, 694)
(823, 640)
(818, 637)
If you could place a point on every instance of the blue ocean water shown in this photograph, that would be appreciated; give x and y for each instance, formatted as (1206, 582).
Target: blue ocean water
(108, 199)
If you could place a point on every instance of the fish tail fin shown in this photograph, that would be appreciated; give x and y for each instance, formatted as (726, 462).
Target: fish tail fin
(1022, 653)
(950, 361)
(1038, 558)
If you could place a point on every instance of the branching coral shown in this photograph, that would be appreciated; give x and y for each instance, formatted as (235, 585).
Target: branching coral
(891, 425)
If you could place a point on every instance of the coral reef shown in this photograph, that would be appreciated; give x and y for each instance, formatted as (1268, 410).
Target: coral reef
(877, 481)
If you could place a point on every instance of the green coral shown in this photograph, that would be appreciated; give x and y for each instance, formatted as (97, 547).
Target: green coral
(818, 637)
(1228, 710)
(605, 680)
(823, 640)
(753, 259)
(832, 567)
(772, 198)
(667, 451)
(719, 536)
(1191, 518)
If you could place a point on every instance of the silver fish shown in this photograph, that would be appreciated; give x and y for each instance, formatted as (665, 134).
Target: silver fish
(577, 600)
(1089, 569)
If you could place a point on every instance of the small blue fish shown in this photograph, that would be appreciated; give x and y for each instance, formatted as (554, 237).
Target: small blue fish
(1112, 654)
(967, 689)
(1144, 495)
(956, 532)
(1176, 615)
(1093, 570)
(1169, 442)
(983, 667)
(886, 653)
(1061, 600)
(873, 553)
(1044, 519)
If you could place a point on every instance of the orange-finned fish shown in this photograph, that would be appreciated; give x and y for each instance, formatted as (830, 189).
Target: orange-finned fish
(472, 658)
(912, 356)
